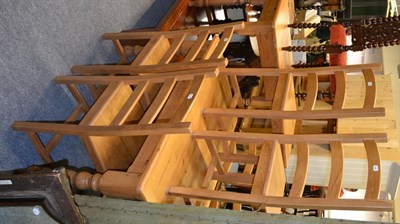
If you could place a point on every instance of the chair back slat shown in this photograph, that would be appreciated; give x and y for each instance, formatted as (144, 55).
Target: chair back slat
(104, 102)
(158, 102)
(300, 175)
(214, 153)
(130, 104)
(337, 167)
(374, 170)
(309, 103)
(176, 44)
(191, 96)
(197, 46)
(153, 51)
(211, 47)
(340, 92)
(223, 43)
(370, 88)
(312, 91)
(262, 178)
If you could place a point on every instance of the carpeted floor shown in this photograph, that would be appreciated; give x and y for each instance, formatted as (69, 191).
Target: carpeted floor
(41, 39)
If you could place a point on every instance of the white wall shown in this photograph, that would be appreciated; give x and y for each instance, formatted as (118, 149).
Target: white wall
(357, 215)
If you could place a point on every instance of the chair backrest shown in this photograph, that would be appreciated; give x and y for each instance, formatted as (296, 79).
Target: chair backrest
(307, 111)
(260, 180)
(164, 51)
(168, 51)
(278, 114)
(120, 104)
(113, 122)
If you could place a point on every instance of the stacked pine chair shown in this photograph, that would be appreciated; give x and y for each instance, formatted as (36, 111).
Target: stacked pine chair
(259, 172)
(173, 96)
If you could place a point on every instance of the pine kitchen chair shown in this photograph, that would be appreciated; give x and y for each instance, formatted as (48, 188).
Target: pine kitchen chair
(167, 51)
(268, 178)
(164, 51)
(256, 106)
(115, 136)
(154, 96)
(111, 127)
(222, 159)
(199, 55)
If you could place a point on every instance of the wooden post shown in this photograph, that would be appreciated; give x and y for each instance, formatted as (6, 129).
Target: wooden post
(106, 183)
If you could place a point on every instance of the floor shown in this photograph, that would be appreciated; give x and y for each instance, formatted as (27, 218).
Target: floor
(42, 39)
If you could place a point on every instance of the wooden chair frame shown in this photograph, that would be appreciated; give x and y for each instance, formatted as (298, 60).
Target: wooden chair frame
(341, 71)
(259, 182)
(158, 76)
(307, 112)
(200, 53)
(165, 51)
(107, 124)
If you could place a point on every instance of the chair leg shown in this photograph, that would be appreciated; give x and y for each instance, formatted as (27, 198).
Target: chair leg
(118, 46)
(40, 147)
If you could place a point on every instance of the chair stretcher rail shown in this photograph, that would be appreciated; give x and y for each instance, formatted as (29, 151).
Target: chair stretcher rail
(271, 201)
(113, 130)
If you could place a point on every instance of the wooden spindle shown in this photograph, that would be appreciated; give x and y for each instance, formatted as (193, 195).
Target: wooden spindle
(132, 50)
(84, 180)
(202, 3)
(105, 183)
